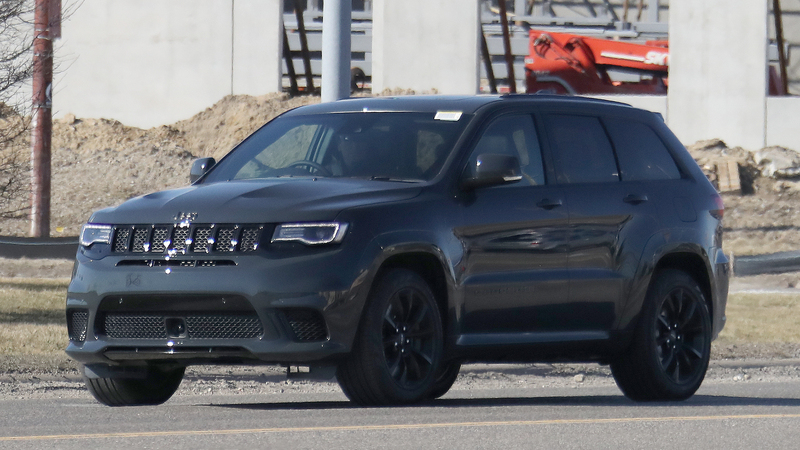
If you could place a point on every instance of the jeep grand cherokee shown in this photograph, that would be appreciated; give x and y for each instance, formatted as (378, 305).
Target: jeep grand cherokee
(386, 241)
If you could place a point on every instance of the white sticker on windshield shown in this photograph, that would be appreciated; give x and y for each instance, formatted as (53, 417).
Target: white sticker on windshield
(450, 116)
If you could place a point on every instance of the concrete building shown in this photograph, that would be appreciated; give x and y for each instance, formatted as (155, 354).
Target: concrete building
(154, 62)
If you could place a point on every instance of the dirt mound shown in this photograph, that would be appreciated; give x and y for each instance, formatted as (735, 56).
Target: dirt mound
(98, 163)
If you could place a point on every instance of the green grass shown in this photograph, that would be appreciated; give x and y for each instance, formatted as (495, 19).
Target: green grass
(32, 320)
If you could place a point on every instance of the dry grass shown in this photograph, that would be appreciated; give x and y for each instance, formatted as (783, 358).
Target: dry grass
(32, 319)
(762, 318)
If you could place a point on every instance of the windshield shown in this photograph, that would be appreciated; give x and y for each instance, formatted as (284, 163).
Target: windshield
(399, 146)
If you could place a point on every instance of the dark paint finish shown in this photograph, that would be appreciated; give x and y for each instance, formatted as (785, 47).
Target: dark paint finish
(522, 272)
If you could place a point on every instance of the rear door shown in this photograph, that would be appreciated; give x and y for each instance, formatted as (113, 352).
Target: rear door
(610, 220)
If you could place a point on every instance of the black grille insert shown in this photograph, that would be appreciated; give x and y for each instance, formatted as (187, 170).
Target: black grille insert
(307, 324)
(198, 326)
(77, 324)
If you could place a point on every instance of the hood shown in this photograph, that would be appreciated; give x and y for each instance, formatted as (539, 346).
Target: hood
(257, 201)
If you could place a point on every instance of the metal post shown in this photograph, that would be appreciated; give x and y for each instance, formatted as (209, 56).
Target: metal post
(42, 121)
(335, 50)
(301, 30)
(652, 10)
(512, 80)
(776, 10)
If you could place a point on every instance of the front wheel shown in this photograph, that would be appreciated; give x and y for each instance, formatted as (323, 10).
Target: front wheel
(669, 356)
(397, 352)
(154, 387)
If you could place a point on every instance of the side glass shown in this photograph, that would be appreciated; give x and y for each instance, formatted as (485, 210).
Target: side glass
(642, 155)
(582, 150)
(514, 136)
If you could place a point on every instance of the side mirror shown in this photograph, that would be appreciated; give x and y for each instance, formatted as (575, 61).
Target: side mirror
(200, 167)
(490, 170)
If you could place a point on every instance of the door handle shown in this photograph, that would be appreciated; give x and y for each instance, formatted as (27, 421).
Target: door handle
(549, 204)
(635, 199)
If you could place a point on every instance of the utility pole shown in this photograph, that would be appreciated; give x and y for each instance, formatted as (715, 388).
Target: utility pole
(336, 50)
(42, 120)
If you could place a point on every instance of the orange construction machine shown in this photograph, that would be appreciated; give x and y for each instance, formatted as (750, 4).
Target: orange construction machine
(572, 64)
(565, 63)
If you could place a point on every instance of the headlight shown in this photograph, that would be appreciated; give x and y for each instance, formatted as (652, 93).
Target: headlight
(310, 233)
(92, 233)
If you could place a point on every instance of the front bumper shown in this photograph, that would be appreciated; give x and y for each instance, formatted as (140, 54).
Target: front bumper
(120, 313)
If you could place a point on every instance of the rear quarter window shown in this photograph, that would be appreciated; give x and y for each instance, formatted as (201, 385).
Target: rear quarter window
(641, 153)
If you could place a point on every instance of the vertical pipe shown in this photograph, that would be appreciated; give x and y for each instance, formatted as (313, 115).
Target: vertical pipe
(301, 29)
(776, 10)
(335, 50)
(487, 61)
(512, 80)
(652, 10)
(42, 121)
(287, 57)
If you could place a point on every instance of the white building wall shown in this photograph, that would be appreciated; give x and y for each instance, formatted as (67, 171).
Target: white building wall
(783, 118)
(426, 45)
(718, 71)
(154, 62)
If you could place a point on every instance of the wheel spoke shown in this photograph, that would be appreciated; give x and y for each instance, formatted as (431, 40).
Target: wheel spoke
(424, 356)
(693, 351)
(390, 318)
(670, 358)
(664, 321)
(395, 366)
(419, 317)
(413, 366)
(687, 316)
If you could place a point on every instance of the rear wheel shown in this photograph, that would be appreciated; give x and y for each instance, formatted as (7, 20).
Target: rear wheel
(669, 356)
(155, 387)
(397, 353)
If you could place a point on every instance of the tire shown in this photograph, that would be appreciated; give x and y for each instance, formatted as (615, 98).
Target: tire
(669, 355)
(155, 388)
(397, 352)
(447, 376)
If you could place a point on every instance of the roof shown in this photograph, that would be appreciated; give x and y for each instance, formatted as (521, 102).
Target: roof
(434, 103)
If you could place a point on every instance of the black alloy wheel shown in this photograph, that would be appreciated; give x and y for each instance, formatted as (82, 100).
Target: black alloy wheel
(681, 336)
(408, 337)
(397, 353)
(671, 347)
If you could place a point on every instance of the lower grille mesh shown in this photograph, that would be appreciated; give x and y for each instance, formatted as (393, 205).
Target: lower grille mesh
(77, 323)
(198, 326)
(307, 324)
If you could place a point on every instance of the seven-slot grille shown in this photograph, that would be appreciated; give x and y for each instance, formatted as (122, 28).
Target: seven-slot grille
(205, 238)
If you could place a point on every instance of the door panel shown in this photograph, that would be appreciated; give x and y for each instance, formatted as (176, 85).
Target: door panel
(515, 276)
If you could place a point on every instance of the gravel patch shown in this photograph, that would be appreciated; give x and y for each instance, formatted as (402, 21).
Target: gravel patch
(206, 381)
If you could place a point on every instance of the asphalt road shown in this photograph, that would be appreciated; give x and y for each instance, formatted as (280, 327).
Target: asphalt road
(727, 413)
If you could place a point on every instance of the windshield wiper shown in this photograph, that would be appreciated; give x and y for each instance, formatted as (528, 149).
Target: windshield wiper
(400, 180)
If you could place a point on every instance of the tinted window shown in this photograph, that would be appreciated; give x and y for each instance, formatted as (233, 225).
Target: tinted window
(642, 155)
(514, 136)
(582, 149)
(381, 146)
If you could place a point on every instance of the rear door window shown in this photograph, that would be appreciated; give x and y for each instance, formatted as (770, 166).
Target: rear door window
(642, 155)
(581, 149)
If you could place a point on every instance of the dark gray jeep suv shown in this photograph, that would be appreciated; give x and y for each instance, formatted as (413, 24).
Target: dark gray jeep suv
(386, 241)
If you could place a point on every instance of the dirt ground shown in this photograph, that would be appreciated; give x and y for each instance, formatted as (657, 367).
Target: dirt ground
(98, 163)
